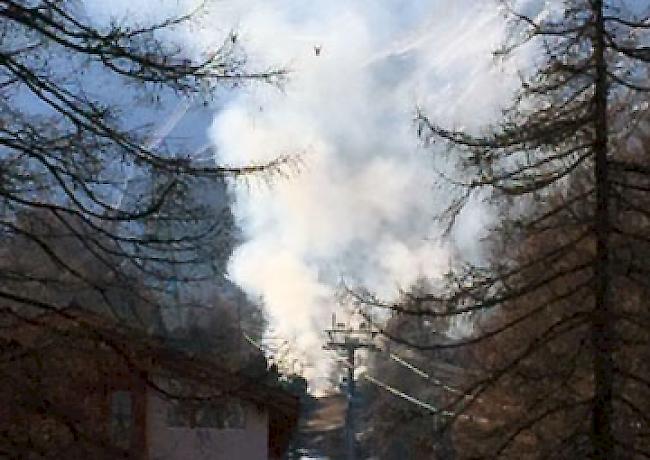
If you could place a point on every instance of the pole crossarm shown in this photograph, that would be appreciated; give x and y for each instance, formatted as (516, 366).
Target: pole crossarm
(347, 340)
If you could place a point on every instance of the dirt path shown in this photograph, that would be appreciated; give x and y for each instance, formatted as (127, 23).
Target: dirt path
(321, 431)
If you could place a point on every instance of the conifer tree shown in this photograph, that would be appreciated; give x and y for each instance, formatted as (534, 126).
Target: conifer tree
(560, 310)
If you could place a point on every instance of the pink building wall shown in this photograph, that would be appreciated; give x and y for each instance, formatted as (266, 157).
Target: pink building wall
(180, 443)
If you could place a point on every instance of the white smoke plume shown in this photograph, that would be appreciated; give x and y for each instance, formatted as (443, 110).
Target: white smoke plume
(362, 207)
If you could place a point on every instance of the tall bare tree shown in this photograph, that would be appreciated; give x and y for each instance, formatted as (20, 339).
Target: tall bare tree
(93, 210)
(560, 311)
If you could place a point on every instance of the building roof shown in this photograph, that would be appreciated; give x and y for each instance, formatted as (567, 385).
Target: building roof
(155, 361)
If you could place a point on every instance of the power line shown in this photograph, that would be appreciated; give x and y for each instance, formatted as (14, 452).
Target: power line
(425, 405)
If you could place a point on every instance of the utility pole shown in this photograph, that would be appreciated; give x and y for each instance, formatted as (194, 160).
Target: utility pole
(347, 340)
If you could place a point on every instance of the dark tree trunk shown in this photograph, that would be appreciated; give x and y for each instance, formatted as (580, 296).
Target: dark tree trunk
(602, 327)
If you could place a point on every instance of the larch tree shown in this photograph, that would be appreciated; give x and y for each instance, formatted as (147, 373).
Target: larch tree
(560, 311)
(83, 187)
(68, 151)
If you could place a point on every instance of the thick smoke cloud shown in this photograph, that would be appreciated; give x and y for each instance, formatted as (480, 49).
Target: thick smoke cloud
(362, 206)
(362, 209)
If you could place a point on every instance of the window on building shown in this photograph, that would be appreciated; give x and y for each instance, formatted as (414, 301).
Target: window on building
(223, 415)
(226, 414)
(180, 414)
(121, 418)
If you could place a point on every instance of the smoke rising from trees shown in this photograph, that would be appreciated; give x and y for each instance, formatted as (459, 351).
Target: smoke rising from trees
(362, 207)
